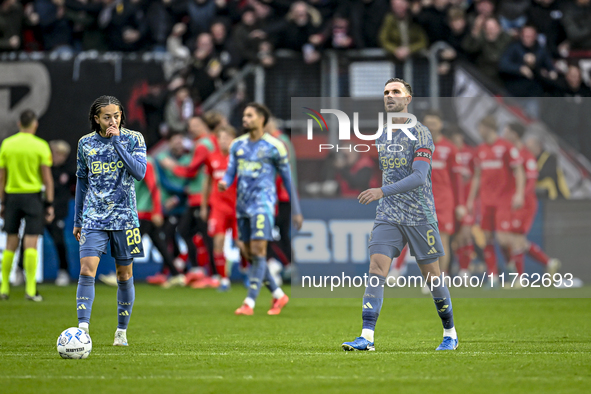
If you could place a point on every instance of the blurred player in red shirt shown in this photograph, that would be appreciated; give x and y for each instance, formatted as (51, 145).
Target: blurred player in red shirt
(223, 204)
(192, 227)
(500, 178)
(446, 180)
(523, 218)
(463, 237)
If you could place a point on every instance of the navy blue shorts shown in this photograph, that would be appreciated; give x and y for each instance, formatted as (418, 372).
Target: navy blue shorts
(125, 244)
(389, 239)
(256, 227)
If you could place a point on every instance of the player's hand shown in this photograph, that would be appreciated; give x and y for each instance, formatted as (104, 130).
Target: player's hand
(167, 163)
(77, 231)
(298, 220)
(157, 219)
(203, 213)
(113, 130)
(172, 202)
(370, 195)
(461, 211)
(517, 201)
(49, 214)
(2, 208)
(222, 186)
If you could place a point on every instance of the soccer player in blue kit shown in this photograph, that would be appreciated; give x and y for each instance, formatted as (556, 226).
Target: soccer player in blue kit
(255, 158)
(109, 159)
(405, 214)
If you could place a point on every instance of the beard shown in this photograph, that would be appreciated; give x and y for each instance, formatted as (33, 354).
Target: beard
(397, 106)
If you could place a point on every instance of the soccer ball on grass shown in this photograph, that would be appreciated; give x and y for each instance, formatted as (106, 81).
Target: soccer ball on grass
(74, 343)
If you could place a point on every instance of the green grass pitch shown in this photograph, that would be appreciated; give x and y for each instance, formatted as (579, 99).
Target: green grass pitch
(184, 340)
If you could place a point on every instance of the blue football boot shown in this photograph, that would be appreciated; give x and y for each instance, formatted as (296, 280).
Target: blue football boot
(448, 344)
(359, 343)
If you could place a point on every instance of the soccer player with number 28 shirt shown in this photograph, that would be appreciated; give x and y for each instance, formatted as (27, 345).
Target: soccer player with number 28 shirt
(405, 214)
(109, 159)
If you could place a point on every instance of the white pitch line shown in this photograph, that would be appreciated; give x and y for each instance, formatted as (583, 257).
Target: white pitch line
(289, 354)
(265, 378)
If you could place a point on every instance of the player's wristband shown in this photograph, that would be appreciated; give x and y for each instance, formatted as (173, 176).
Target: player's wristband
(48, 204)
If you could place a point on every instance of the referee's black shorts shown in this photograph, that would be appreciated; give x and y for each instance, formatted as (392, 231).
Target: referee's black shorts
(28, 206)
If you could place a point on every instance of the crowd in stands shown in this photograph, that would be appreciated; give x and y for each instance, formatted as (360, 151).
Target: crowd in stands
(513, 42)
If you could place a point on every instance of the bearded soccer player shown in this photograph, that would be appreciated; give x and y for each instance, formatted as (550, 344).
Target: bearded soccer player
(256, 158)
(109, 159)
(523, 218)
(500, 180)
(405, 214)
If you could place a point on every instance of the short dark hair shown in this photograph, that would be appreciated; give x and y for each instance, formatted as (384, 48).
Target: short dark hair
(99, 103)
(518, 128)
(27, 118)
(402, 81)
(261, 110)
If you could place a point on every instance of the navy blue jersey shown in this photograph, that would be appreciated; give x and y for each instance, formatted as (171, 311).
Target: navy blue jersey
(396, 156)
(110, 200)
(256, 164)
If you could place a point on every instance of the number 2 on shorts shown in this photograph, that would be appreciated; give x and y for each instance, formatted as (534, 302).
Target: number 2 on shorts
(260, 221)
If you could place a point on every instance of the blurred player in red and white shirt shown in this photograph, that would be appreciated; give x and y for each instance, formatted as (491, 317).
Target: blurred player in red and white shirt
(500, 178)
(223, 204)
(446, 180)
(522, 219)
(463, 237)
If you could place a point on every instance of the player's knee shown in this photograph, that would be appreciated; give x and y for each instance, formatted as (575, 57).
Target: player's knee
(258, 249)
(124, 273)
(379, 264)
(87, 271)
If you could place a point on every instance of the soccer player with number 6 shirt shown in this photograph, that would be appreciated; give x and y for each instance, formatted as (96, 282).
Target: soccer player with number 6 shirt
(109, 159)
(405, 215)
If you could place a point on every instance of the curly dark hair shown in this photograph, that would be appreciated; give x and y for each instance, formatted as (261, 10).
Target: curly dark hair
(95, 110)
